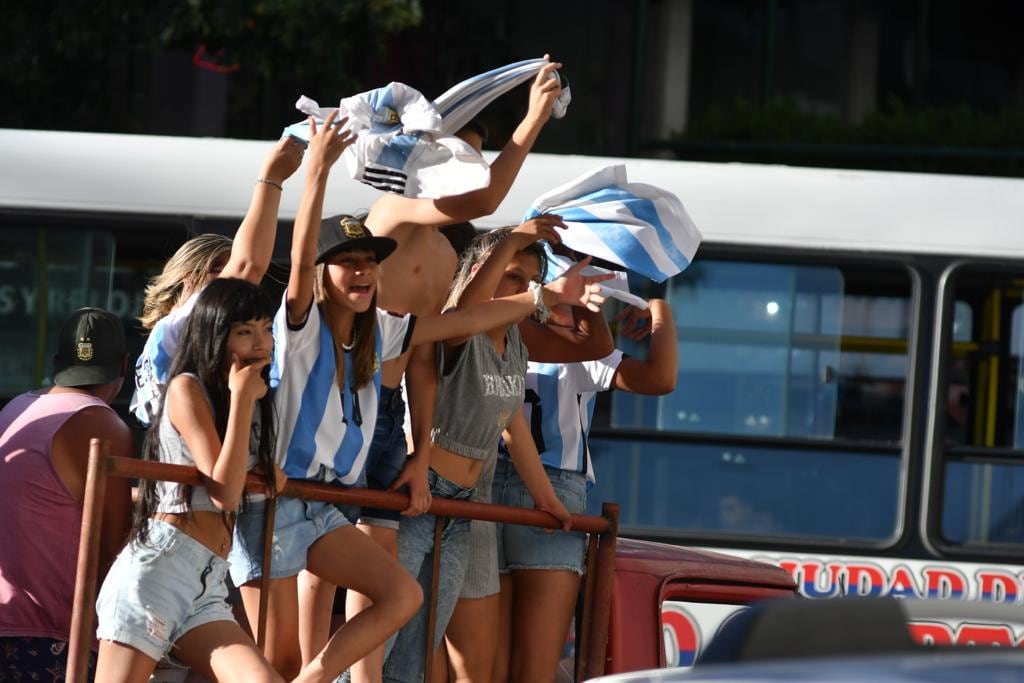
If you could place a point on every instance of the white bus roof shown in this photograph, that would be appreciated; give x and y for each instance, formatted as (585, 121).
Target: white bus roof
(731, 203)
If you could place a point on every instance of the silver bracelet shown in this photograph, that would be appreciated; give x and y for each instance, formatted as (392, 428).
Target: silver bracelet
(543, 312)
(268, 181)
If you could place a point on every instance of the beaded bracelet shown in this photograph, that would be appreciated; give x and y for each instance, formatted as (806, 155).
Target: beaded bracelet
(268, 181)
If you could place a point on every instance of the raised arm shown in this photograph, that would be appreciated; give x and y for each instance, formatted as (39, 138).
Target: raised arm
(325, 147)
(589, 340)
(525, 457)
(656, 375)
(572, 288)
(224, 463)
(392, 209)
(253, 245)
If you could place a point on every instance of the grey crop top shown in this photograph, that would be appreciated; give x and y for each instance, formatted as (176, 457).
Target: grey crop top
(170, 495)
(478, 394)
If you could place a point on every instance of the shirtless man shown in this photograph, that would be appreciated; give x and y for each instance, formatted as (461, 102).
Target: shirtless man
(415, 279)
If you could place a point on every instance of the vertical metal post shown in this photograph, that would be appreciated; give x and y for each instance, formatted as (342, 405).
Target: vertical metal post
(604, 586)
(435, 573)
(583, 628)
(88, 563)
(268, 546)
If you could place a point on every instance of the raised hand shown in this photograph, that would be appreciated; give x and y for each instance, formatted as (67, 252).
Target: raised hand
(635, 322)
(544, 91)
(539, 228)
(247, 380)
(329, 140)
(284, 159)
(575, 289)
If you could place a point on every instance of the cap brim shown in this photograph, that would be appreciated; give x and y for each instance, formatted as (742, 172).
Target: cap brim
(380, 246)
(85, 375)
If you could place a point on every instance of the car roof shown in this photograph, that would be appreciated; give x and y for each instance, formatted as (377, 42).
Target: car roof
(672, 562)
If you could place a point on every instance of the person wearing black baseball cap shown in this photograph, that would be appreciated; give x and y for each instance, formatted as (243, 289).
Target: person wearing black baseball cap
(44, 448)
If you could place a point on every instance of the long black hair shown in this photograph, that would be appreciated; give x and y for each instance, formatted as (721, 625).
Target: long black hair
(202, 352)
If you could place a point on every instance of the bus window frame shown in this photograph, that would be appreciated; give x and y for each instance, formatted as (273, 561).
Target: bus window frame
(936, 455)
(914, 265)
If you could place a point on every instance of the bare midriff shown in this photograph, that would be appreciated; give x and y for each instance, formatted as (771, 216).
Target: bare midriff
(204, 526)
(456, 468)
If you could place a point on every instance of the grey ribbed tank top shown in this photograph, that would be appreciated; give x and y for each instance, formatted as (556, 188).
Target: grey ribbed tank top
(478, 394)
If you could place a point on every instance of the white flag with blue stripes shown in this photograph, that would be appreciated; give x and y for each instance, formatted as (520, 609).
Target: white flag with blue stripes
(407, 144)
(615, 288)
(638, 226)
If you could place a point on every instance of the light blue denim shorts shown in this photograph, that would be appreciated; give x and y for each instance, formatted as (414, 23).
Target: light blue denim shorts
(298, 524)
(529, 547)
(157, 592)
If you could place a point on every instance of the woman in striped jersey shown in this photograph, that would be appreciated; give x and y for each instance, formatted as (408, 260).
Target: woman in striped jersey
(541, 571)
(326, 368)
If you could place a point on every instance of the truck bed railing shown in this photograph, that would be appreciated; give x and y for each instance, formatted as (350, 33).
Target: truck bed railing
(597, 586)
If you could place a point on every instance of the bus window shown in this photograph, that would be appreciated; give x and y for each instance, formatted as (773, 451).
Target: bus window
(45, 275)
(787, 418)
(981, 501)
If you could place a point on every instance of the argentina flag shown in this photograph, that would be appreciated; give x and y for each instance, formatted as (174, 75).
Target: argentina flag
(640, 227)
(407, 144)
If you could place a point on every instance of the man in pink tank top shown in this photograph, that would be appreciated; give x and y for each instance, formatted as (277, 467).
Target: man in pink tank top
(44, 448)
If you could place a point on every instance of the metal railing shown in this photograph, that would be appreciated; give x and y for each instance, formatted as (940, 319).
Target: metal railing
(597, 586)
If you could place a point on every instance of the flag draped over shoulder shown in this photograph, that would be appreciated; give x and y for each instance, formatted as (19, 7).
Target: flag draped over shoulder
(640, 227)
(407, 144)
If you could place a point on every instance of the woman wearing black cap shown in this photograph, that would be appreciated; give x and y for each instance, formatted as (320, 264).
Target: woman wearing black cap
(327, 360)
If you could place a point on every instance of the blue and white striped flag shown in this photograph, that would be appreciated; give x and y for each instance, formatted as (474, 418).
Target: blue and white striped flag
(407, 144)
(615, 288)
(640, 227)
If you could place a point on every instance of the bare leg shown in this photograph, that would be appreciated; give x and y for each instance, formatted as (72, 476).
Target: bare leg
(119, 662)
(541, 614)
(499, 674)
(370, 669)
(223, 652)
(472, 637)
(316, 607)
(346, 557)
(441, 671)
(282, 646)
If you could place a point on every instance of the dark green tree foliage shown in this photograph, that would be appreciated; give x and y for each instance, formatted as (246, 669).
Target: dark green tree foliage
(72, 64)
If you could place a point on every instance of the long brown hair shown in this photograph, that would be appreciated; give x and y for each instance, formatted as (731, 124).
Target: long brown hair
(364, 336)
(477, 252)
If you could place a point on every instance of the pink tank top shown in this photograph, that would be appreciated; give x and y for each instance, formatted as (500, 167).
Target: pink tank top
(40, 520)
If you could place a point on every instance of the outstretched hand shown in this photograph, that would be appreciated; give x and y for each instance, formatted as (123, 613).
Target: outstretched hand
(576, 289)
(283, 160)
(329, 140)
(545, 89)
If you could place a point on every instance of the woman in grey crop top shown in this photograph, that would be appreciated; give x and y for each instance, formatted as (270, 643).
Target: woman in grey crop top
(480, 394)
(165, 586)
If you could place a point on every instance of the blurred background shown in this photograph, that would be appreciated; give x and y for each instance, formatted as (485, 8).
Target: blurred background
(917, 85)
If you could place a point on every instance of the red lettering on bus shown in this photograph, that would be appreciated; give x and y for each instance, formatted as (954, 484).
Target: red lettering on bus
(931, 633)
(998, 586)
(945, 583)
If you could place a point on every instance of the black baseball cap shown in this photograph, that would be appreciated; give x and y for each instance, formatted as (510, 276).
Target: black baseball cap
(90, 349)
(345, 233)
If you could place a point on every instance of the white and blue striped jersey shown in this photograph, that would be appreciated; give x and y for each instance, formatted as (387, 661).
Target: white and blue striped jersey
(559, 405)
(323, 432)
(154, 363)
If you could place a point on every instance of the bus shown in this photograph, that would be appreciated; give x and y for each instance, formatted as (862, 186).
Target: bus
(850, 400)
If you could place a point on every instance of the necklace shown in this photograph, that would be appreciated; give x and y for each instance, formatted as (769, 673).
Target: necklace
(349, 347)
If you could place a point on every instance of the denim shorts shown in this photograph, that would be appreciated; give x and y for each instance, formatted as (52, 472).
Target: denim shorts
(158, 591)
(387, 455)
(298, 524)
(529, 547)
